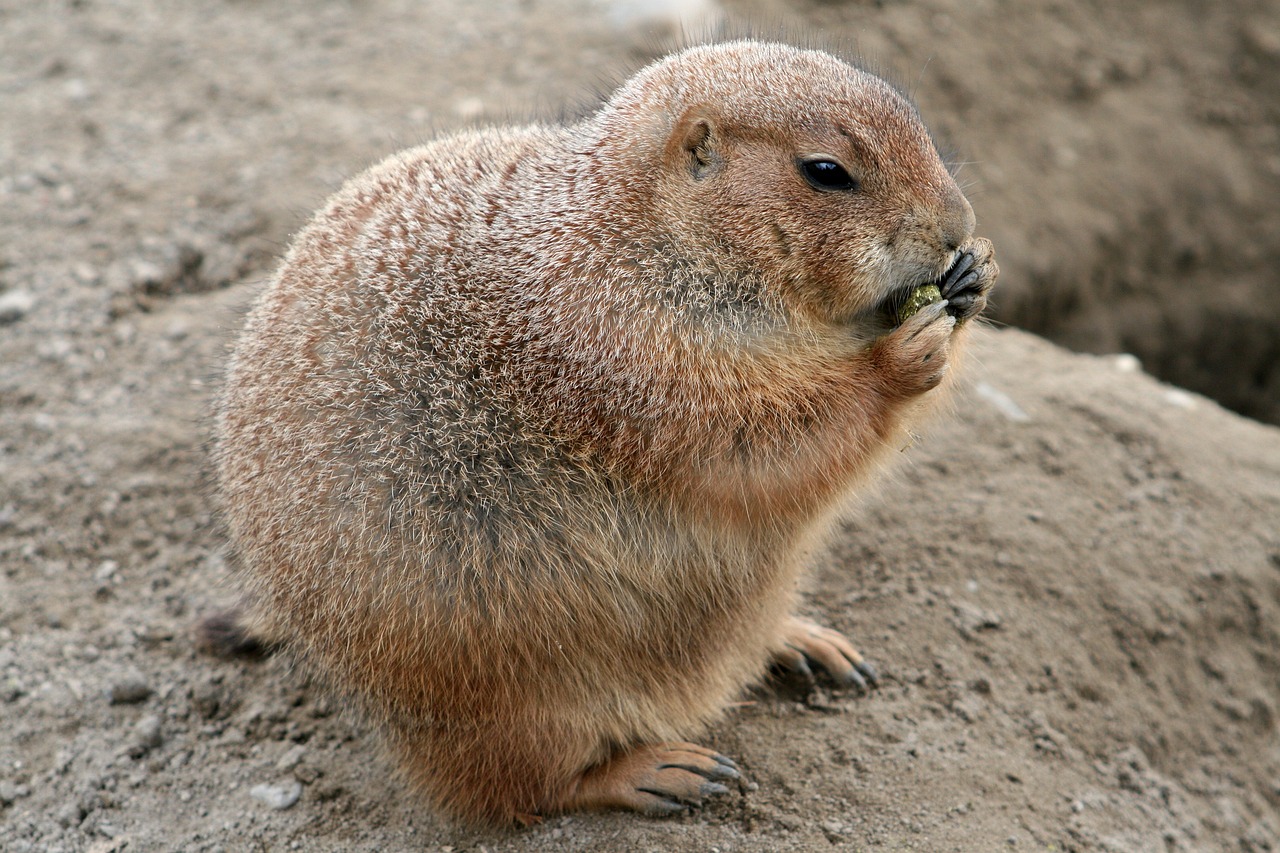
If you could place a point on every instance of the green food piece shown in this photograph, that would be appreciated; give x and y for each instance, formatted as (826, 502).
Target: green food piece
(920, 297)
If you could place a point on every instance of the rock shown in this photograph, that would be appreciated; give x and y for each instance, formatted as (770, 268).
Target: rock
(11, 690)
(10, 793)
(15, 305)
(969, 619)
(291, 759)
(307, 774)
(129, 689)
(69, 815)
(111, 844)
(210, 699)
(328, 791)
(833, 827)
(278, 797)
(146, 736)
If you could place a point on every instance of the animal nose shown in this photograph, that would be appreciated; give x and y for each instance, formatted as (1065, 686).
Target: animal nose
(957, 220)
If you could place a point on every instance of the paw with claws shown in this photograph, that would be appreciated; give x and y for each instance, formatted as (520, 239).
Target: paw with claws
(807, 646)
(656, 779)
(913, 358)
(966, 284)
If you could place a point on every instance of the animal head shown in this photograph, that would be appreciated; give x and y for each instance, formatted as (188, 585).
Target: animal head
(795, 163)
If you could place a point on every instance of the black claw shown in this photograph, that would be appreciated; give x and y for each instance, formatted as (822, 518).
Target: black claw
(962, 295)
(723, 771)
(962, 305)
(719, 771)
(869, 672)
(665, 805)
(725, 760)
(967, 283)
(853, 678)
(952, 282)
(712, 789)
(800, 666)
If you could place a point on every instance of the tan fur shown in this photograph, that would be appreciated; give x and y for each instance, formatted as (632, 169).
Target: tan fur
(524, 442)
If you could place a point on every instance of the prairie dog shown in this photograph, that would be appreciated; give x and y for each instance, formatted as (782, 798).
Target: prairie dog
(524, 444)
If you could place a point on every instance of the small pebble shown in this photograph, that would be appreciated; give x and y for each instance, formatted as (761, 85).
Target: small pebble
(1126, 363)
(77, 90)
(209, 699)
(146, 736)
(69, 815)
(15, 305)
(9, 792)
(328, 791)
(307, 774)
(279, 797)
(291, 759)
(129, 689)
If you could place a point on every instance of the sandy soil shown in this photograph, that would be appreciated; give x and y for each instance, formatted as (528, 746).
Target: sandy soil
(1071, 585)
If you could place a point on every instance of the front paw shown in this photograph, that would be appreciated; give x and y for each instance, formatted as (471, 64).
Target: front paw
(912, 359)
(966, 284)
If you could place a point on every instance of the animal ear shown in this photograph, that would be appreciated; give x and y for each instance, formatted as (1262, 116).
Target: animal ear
(694, 144)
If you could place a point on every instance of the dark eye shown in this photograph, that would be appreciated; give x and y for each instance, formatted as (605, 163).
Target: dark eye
(827, 175)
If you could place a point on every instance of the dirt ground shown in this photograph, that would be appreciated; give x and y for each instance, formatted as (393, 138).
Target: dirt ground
(1071, 585)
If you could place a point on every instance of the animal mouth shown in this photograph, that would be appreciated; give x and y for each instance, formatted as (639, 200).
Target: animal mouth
(956, 279)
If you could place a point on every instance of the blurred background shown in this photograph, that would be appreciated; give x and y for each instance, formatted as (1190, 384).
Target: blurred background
(1124, 157)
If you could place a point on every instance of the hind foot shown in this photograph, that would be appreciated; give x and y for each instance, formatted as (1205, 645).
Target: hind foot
(806, 644)
(658, 779)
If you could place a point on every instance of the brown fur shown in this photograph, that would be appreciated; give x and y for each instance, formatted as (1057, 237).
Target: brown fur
(524, 443)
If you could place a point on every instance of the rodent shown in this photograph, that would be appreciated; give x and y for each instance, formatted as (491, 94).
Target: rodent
(525, 442)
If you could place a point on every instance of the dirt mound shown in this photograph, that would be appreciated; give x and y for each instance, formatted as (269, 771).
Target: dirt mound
(1072, 586)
